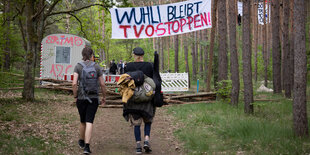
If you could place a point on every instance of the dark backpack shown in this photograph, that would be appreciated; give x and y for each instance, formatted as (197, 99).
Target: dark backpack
(145, 92)
(137, 76)
(89, 80)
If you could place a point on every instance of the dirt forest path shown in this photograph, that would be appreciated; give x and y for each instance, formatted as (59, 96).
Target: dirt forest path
(112, 135)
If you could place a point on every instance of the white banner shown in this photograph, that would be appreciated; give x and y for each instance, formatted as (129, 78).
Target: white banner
(240, 8)
(160, 20)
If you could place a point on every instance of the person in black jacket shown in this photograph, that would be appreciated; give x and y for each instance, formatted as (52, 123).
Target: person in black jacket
(138, 112)
(113, 67)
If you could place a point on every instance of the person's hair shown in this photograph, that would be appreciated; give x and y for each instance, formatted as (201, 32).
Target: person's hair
(138, 58)
(87, 52)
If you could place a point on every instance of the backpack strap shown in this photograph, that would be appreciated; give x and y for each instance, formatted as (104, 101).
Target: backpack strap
(83, 65)
(92, 64)
(82, 83)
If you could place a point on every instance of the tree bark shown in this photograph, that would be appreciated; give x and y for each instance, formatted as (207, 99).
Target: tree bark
(300, 74)
(256, 38)
(193, 57)
(265, 54)
(222, 57)
(291, 36)
(196, 53)
(205, 73)
(213, 12)
(246, 56)
(176, 53)
(103, 54)
(234, 65)
(28, 91)
(161, 55)
(201, 49)
(186, 57)
(7, 49)
(286, 51)
(68, 5)
(276, 53)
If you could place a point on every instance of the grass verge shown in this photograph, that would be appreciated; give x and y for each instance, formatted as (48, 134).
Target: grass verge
(220, 128)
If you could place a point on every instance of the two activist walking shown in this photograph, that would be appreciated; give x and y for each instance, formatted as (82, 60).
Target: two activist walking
(87, 77)
(140, 104)
(141, 99)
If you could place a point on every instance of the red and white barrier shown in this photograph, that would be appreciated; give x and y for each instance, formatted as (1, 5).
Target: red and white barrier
(111, 78)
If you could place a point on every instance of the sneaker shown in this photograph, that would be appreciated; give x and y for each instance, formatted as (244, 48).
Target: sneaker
(147, 147)
(81, 144)
(138, 150)
(87, 150)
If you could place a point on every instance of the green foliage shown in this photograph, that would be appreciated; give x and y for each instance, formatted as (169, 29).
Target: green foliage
(217, 128)
(11, 144)
(8, 80)
(224, 90)
(16, 48)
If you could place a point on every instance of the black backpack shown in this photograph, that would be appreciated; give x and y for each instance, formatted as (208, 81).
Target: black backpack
(137, 76)
(89, 81)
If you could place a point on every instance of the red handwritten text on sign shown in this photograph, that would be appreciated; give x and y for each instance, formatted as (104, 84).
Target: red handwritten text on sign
(57, 70)
(77, 41)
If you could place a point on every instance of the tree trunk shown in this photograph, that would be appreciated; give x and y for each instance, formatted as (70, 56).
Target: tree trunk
(265, 54)
(222, 57)
(234, 65)
(28, 91)
(103, 54)
(7, 49)
(246, 56)
(276, 53)
(300, 75)
(168, 52)
(300, 67)
(161, 55)
(186, 53)
(206, 58)
(286, 51)
(196, 53)
(291, 36)
(193, 57)
(176, 53)
(256, 37)
(213, 12)
(68, 5)
(201, 54)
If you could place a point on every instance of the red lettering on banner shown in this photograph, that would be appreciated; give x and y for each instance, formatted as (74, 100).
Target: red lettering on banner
(203, 19)
(125, 27)
(137, 34)
(160, 29)
(195, 21)
(167, 28)
(177, 26)
(168, 23)
(182, 24)
(190, 21)
(146, 30)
